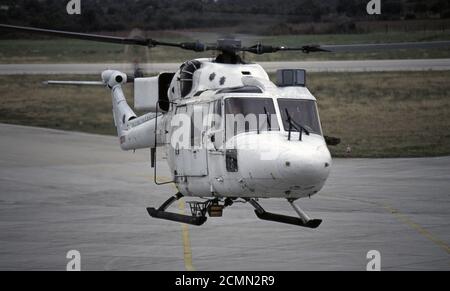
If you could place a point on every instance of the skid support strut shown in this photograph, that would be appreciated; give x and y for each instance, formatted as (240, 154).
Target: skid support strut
(303, 219)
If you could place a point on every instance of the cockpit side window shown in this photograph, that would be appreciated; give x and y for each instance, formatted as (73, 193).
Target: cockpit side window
(217, 114)
(303, 112)
(249, 115)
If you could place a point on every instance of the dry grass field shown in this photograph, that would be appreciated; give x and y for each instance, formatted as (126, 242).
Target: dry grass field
(391, 114)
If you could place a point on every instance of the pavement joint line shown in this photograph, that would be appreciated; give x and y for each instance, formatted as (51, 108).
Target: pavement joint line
(403, 218)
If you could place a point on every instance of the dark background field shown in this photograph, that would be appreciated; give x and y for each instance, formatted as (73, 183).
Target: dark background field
(268, 17)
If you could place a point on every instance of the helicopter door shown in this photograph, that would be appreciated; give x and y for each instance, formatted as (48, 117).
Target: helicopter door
(194, 156)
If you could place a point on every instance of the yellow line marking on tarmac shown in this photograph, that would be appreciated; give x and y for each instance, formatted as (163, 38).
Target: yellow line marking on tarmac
(187, 251)
(186, 241)
(403, 218)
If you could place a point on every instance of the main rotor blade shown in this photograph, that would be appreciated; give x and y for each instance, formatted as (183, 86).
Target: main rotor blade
(260, 49)
(345, 48)
(224, 47)
(193, 46)
(82, 36)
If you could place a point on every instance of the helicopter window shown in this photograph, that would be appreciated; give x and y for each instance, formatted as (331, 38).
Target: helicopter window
(217, 120)
(196, 120)
(186, 73)
(303, 112)
(242, 89)
(250, 114)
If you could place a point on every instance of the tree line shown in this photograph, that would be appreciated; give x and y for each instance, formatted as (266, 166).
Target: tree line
(114, 15)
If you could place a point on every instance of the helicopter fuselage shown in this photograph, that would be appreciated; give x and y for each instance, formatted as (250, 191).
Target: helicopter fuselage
(228, 131)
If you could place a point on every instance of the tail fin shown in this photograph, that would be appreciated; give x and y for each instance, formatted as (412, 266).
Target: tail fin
(134, 132)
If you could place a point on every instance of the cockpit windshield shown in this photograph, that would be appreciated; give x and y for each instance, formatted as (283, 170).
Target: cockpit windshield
(250, 114)
(303, 112)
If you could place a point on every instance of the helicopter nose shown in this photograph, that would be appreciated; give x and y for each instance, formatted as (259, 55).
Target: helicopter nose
(304, 164)
(268, 163)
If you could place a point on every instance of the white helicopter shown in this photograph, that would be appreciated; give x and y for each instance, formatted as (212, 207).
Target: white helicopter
(229, 133)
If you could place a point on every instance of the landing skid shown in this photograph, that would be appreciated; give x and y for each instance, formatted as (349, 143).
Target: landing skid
(161, 213)
(303, 219)
(214, 209)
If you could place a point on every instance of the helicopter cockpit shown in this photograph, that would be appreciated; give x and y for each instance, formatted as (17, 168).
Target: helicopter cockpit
(247, 114)
(260, 114)
(301, 111)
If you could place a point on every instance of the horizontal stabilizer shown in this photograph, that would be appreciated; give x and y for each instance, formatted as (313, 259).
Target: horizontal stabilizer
(75, 83)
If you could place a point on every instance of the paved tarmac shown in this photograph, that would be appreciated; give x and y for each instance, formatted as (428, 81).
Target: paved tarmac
(62, 190)
(311, 66)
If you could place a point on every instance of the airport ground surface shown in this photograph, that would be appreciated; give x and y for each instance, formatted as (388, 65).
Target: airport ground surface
(63, 190)
(310, 66)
